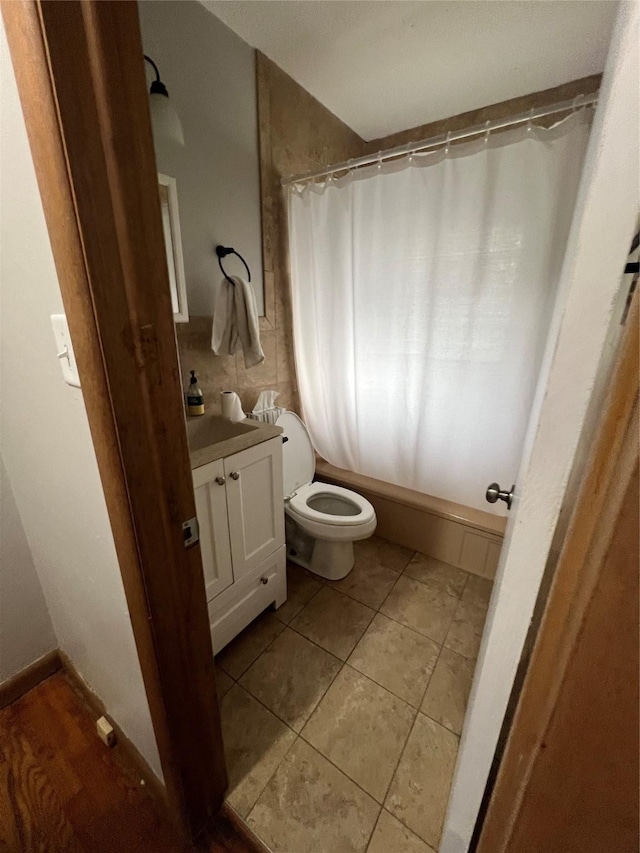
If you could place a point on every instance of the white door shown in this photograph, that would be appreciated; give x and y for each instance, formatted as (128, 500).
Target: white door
(255, 504)
(211, 510)
(586, 313)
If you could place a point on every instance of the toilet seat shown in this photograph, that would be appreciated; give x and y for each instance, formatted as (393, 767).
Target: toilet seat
(299, 505)
(333, 517)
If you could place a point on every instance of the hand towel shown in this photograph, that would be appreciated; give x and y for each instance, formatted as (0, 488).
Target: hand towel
(235, 318)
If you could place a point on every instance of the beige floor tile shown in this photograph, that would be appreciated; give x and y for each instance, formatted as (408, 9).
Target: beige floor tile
(362, 729)
(383, 553)
(396, 657)
(437, 574)
(391, 836)
(333, 621)
(241, 652)
(301, 588)
(420, 789)
(309, 806)
(426, 610)
(223, 683)
(367, 582)
(290, 677)
(478, 591)
(448, 692)
(465, 633)
(255, 742)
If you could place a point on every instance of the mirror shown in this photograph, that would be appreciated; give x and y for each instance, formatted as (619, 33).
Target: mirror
(173, 247)
(209, 73)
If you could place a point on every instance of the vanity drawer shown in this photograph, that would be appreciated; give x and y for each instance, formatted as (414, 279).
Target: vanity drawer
(239, 604)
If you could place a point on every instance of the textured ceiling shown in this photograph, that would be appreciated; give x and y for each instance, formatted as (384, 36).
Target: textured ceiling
(387, 66)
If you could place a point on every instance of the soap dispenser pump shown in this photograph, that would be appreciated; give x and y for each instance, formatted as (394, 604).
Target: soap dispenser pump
(195, 399)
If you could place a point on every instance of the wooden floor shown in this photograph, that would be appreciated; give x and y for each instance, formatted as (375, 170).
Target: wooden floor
(61, 789)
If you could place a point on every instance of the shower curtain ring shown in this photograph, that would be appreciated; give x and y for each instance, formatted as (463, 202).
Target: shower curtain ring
(529, 120)
(487, 131)
(576, 102)
(379, 160)
(446, 144)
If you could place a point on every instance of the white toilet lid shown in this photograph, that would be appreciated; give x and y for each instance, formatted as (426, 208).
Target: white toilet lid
(298, 457)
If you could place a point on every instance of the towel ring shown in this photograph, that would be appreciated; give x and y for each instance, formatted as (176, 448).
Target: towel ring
(222, 252)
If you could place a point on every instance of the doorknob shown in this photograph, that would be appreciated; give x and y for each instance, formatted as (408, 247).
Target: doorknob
(220, 481)
(495, 493)
(235, 475)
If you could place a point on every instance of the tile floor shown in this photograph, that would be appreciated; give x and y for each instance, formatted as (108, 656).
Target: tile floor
(342, 711)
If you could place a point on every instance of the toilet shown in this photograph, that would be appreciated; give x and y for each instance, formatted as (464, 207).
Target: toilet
(322, 521)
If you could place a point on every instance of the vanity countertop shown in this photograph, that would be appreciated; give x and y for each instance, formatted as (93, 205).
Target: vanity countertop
(212, 437)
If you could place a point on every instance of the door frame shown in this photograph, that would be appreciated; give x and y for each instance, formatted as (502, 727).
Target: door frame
(604, 491)
(94, 159)
(95, 164)
(581, 330)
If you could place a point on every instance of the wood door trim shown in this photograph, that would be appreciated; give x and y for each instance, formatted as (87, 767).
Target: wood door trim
(609, 471)
(93, 154)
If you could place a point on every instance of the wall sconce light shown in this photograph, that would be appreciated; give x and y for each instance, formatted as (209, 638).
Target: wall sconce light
(164, 118)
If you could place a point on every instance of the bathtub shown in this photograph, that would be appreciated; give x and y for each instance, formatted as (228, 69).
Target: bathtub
(459, 535)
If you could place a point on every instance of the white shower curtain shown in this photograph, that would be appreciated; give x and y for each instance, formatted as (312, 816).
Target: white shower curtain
(422, 291)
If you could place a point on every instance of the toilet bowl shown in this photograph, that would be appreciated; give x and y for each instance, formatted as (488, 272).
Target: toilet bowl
(322, 521)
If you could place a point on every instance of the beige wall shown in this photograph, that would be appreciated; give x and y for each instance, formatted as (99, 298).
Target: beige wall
(504, 109)
(298, 134)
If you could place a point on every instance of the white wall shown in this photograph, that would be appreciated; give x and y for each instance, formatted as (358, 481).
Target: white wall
(383, 67)
(210, 75)
(48, 452)
(26, 632)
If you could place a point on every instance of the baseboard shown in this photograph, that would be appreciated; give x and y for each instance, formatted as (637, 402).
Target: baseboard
(125, 751)
(20, 683)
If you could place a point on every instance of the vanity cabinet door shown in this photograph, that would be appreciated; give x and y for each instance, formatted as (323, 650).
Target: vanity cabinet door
(211, 510)
(255, 504)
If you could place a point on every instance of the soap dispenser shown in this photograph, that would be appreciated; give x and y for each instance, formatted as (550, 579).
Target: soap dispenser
(195, 400)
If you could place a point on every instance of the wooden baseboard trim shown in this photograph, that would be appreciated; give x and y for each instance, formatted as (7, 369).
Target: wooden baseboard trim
(125, 751)
(20, 683)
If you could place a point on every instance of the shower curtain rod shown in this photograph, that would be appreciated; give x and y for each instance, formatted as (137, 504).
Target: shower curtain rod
(444, 138)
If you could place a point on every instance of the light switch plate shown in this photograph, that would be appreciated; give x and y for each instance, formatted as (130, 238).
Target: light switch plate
(65, 352)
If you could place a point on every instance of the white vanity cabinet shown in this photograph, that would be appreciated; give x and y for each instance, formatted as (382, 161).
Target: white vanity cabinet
(211, 510)
(240, 512)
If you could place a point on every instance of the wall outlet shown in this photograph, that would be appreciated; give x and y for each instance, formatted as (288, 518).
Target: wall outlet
(106, 732)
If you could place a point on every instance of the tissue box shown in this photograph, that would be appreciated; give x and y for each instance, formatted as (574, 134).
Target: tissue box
(269, 416)
(265, 409)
